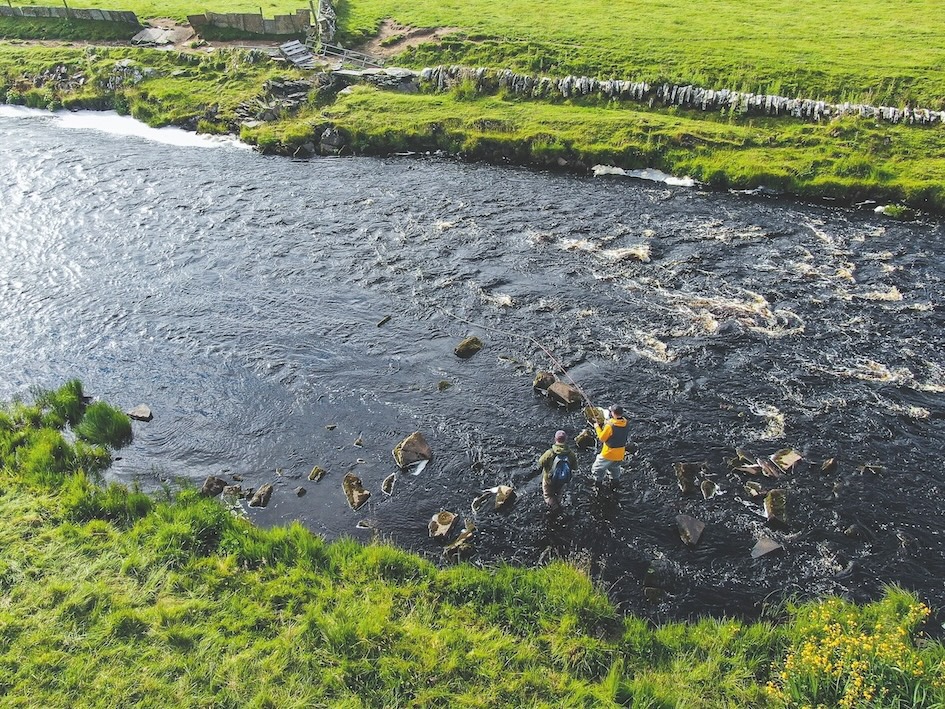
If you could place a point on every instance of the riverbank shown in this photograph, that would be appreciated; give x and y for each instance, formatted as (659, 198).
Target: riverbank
(846, 159)
(117, 598)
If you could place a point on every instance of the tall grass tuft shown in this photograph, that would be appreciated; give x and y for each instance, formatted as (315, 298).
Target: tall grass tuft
(62, 406)
(83, 500)
(104, 425)
(44, 458)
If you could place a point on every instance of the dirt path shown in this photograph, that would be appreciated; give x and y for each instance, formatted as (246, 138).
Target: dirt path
(393, 38)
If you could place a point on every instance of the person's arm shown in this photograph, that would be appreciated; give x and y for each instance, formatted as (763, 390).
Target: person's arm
(603, 432)
(543, 461)
(572, 459)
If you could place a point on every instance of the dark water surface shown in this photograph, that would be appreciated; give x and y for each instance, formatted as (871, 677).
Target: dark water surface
(239, 297)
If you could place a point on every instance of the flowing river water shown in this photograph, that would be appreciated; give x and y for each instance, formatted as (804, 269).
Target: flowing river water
(241, 296)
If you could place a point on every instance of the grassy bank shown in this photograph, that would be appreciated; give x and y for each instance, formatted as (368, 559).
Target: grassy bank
(114, 598)
(849, 159)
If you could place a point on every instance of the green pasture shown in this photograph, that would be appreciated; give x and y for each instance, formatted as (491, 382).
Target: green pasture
(864, 50)
(114, 598)
(179, 9)
(870, 50)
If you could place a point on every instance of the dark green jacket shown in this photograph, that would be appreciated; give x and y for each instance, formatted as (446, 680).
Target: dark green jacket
(548, 458)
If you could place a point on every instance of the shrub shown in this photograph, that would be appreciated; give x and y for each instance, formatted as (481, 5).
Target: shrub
(842, 655)
(105, 425)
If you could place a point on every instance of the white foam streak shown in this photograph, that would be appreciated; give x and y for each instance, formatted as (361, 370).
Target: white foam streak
(645, 174)
(113, 124)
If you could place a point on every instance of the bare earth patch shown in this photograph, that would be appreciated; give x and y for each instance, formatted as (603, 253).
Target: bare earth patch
(393, 38)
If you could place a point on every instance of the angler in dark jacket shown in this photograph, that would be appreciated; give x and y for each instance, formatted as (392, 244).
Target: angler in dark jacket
(552, 484)
(614, 434)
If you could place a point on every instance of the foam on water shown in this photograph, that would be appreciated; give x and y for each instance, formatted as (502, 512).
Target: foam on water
(115, 124)
(649, 174)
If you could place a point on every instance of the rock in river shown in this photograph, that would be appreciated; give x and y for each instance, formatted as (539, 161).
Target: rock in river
(690, 529)
(468, 347)
(212, 486)
(354, 490)
(565, 394)
(261, 498)
(441, 524)
(140, 413)
(412, 449)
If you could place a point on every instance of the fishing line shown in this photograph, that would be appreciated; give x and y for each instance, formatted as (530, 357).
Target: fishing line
(531, 339)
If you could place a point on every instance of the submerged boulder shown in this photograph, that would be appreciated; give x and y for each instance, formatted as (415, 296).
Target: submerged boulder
(262, 496)
(754, 489)
(786, 458)
(686, 475)
(468, 347)
(543, 380)
(387, 487)
(690, 529)
(764, 546)
(463, 543)
(709, 489)
(585, 439)
(412, 449)
(504, 495)
(354, 491)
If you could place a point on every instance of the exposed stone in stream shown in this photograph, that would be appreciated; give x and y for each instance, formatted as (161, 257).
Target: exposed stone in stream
(262, 496)
(441, 524)
(413, 449)
(690, 529)
(354, 491)
(468, 347)
(212, 486)
(141, 413)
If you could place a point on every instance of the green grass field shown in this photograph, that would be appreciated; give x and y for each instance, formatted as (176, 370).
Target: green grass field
(865, 50)
(112, 598)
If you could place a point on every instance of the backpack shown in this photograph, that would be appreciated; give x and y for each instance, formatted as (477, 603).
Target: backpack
(560, 469)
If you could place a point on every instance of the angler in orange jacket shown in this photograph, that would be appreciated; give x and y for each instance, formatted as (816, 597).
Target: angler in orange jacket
(614, 434)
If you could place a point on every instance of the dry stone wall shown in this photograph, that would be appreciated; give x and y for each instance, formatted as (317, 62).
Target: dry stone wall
(443, 78)
(68, 13)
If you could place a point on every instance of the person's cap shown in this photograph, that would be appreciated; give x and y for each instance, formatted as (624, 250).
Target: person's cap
(561, 437)
(616, 410)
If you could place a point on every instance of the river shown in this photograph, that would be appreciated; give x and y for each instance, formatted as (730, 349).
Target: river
(241, 298)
